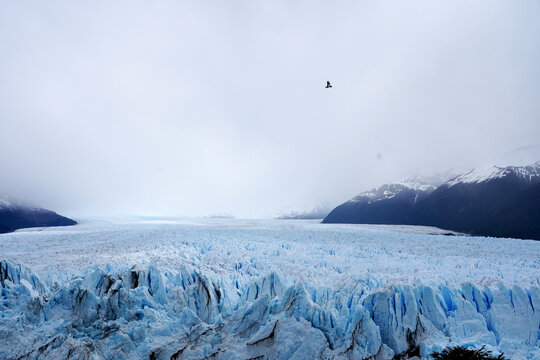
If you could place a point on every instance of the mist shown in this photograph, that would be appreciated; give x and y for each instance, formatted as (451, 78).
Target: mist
(209, 107)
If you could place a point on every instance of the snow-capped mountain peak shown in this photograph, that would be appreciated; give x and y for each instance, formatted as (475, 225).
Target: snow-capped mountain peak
(528, 173)
(416, 183)
(385, 191)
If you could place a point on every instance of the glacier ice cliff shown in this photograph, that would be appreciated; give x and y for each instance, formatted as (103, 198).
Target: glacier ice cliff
(146, 312)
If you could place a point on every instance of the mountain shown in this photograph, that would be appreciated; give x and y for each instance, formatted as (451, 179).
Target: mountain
(16, 215)
(500, 201)
(496, 201)
(388, 204)
(319, 212)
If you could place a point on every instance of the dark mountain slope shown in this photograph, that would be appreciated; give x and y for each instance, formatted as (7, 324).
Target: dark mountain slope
(15, 215)
(495, 201)
(501, 207)
(392, 210)
(387, 204)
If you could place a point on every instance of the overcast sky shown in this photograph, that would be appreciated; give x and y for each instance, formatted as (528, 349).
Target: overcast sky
(204, 107)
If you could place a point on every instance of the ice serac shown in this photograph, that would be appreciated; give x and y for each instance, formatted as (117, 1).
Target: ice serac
(152, 313)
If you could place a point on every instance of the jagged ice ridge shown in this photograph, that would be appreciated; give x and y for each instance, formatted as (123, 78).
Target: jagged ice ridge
(181, 309)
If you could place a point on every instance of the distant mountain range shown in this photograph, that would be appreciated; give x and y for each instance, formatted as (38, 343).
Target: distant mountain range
(501, 201)
(319, 212)
(17, 215)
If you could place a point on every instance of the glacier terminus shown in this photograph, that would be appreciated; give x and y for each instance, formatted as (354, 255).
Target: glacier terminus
(269, 289)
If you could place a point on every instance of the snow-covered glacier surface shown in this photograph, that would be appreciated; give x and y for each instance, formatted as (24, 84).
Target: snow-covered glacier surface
(238, 289)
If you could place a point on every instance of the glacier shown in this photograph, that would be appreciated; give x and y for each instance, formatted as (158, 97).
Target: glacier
(233, 289)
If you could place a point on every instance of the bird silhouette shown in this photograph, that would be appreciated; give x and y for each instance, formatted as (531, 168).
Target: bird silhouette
(328, 85)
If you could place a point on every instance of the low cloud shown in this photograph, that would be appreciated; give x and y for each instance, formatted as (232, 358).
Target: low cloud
(206, 108)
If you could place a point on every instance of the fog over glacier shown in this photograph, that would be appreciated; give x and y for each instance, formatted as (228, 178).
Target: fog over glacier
(197, 108)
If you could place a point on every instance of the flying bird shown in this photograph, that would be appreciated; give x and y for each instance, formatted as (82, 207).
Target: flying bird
(328, 85)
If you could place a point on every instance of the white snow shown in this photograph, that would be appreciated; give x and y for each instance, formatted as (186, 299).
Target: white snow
(388, 191)
(281, 289)
(485, 173)
(524, 162)
(514, 163)
(418, 183)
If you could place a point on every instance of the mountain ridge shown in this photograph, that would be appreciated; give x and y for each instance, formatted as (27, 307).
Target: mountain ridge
(500, 201)
(15, 214)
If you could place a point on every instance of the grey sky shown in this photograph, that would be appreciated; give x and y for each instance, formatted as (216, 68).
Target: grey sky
(201, 107)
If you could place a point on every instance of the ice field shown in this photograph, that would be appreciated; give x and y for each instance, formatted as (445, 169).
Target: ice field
(248, 289)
